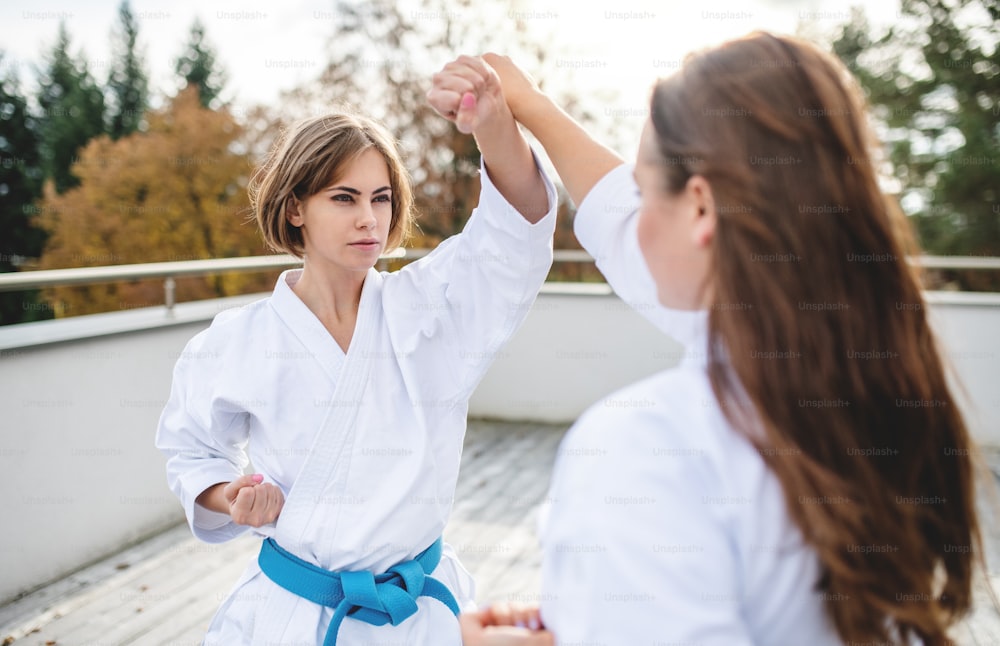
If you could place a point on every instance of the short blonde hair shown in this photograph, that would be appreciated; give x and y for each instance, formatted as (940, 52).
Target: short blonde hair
(307, 158)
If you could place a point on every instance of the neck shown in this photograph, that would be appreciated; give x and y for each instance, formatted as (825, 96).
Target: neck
(330, 296)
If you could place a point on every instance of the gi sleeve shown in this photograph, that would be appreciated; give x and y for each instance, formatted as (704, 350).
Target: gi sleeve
(606, 224)
(633, 550)
(457, 306)
(204, 443)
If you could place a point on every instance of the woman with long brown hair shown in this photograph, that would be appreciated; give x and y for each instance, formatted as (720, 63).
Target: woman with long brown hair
(804, 476)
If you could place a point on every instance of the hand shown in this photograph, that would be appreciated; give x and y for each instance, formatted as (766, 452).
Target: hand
(504, 625)
(467, 92)
(253, 502)
(517, 85)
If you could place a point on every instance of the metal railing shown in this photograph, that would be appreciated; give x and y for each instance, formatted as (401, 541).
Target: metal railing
(169, 271)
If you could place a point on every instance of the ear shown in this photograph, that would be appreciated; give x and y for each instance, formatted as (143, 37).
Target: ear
(703, 226)
(292, 211)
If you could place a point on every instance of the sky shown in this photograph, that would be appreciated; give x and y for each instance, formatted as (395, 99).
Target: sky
(613, 48)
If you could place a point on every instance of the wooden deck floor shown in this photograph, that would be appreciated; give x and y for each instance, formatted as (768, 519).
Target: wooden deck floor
(164, 591)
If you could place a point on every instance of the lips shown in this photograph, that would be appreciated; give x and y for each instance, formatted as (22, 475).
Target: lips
(368, 244)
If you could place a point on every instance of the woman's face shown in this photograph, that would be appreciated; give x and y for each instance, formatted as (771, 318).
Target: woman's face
(345, 226)
(675, 231)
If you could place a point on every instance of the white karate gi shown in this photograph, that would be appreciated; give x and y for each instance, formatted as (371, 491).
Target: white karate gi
(665, 525)
(259, 383)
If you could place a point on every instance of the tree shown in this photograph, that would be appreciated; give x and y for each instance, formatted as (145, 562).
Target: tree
(159, 195)
(127, 81)
(934, 81)
(72, 111)
(20, 185)
(197, 66)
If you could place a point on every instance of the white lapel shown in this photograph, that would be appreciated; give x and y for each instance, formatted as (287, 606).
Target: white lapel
(308, 329)
(336, 434)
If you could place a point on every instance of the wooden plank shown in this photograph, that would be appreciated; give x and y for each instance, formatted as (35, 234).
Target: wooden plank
(493, 529)
(33, 604)
(123, 603)
(74, 608)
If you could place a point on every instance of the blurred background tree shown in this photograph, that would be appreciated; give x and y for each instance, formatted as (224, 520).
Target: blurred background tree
(197, 66)
(933, 80)
(20, 185)
(158, 195)
(128, 84)
(71, 111)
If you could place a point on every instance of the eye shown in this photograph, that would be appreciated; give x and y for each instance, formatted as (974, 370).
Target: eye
(342, 197)
(382, 198)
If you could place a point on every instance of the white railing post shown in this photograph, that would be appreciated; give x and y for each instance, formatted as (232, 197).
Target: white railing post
(169, 293)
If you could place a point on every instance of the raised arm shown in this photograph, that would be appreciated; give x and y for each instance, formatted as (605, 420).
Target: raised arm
(580, 160)
(468, 92)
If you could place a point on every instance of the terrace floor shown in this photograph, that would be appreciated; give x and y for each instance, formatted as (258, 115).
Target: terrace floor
(164, 590)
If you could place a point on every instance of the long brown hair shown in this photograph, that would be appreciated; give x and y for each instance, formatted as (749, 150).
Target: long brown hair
(819, 346)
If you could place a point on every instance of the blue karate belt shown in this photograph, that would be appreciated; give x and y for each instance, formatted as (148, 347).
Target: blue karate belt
(376, 599)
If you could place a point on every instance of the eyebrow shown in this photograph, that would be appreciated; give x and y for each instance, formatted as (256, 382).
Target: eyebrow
(354, 191)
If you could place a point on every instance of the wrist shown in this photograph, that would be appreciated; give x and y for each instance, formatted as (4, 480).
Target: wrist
(498, 125)
(497, 139)
(530, 105)
(214, 498)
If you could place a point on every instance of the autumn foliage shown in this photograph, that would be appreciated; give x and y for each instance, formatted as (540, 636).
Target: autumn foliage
(174, 192)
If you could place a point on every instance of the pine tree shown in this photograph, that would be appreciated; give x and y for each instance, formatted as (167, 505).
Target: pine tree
(934, 81)
(20, 186)
(197, 66)
(127, 80)
(72, 111)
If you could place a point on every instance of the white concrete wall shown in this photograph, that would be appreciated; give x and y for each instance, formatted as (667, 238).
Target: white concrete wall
(573, 349)
(80, 475)
(968, 328)
(81, 478)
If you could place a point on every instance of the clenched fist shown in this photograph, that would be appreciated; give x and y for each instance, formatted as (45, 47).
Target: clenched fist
(247, 499)
(467, 92)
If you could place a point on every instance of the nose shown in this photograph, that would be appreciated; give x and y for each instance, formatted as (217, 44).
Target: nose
(366, 218)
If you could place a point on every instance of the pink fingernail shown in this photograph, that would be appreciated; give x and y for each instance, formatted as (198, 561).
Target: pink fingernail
(258, 478)
(468, 100)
